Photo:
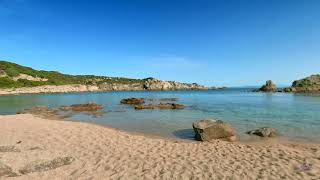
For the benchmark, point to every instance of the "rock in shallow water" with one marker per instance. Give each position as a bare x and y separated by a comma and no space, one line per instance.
264,132
268,87
133,101
160,106
209,129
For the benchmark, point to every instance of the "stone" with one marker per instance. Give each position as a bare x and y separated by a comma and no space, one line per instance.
268,87
168,99
9,149
132,101
83,107
209,129
264,132
6,171
39,166
160,106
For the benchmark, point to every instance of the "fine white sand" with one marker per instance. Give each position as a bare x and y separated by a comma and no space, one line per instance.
105,153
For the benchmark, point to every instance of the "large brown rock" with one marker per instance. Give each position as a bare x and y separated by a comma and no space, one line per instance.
133,101
264,132
269,87
209,129
83,107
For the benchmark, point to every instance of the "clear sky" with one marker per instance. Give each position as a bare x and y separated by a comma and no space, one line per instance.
214,42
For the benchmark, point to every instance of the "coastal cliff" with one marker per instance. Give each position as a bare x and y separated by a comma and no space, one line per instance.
309,84
17,79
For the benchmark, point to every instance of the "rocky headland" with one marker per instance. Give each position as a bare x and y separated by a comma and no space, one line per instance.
17,79
309,84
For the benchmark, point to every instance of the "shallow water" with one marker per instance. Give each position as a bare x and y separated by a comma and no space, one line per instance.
296,116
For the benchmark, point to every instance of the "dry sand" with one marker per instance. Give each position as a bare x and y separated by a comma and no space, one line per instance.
75,150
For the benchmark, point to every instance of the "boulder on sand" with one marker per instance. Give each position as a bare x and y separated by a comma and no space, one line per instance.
209,129
134,101
264,132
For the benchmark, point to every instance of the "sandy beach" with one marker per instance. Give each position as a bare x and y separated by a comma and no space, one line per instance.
35,148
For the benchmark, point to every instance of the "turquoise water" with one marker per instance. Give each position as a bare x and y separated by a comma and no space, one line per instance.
296,116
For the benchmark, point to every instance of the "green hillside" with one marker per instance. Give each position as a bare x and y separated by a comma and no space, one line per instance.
9,71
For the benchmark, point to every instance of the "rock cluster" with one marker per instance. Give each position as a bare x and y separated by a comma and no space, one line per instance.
209,129
82,107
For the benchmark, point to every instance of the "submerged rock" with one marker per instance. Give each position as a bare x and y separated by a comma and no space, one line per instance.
264,132
132,101
42,111
268,87
168,99
83,107
209,129
160,106
64,111
46,165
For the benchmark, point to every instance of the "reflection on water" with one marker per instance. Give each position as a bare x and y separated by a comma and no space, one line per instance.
294,115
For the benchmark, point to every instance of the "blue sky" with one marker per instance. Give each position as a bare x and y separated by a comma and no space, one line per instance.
216,42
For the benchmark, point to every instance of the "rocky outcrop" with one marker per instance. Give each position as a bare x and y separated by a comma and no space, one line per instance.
264,132
156,84
309,84
209,129
132,101
160,106
28,77
146,84
268,87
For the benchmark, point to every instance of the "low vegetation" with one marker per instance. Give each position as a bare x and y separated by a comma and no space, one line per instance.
10,70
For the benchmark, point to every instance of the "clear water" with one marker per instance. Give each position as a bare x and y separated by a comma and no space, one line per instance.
296,116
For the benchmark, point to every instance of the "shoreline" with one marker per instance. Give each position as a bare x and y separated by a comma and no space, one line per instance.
98,152
75,88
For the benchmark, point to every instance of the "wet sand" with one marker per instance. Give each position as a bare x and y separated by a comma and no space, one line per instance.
37,148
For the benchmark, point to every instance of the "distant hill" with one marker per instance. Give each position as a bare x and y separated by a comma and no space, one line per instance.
309,84
17,79
14,76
